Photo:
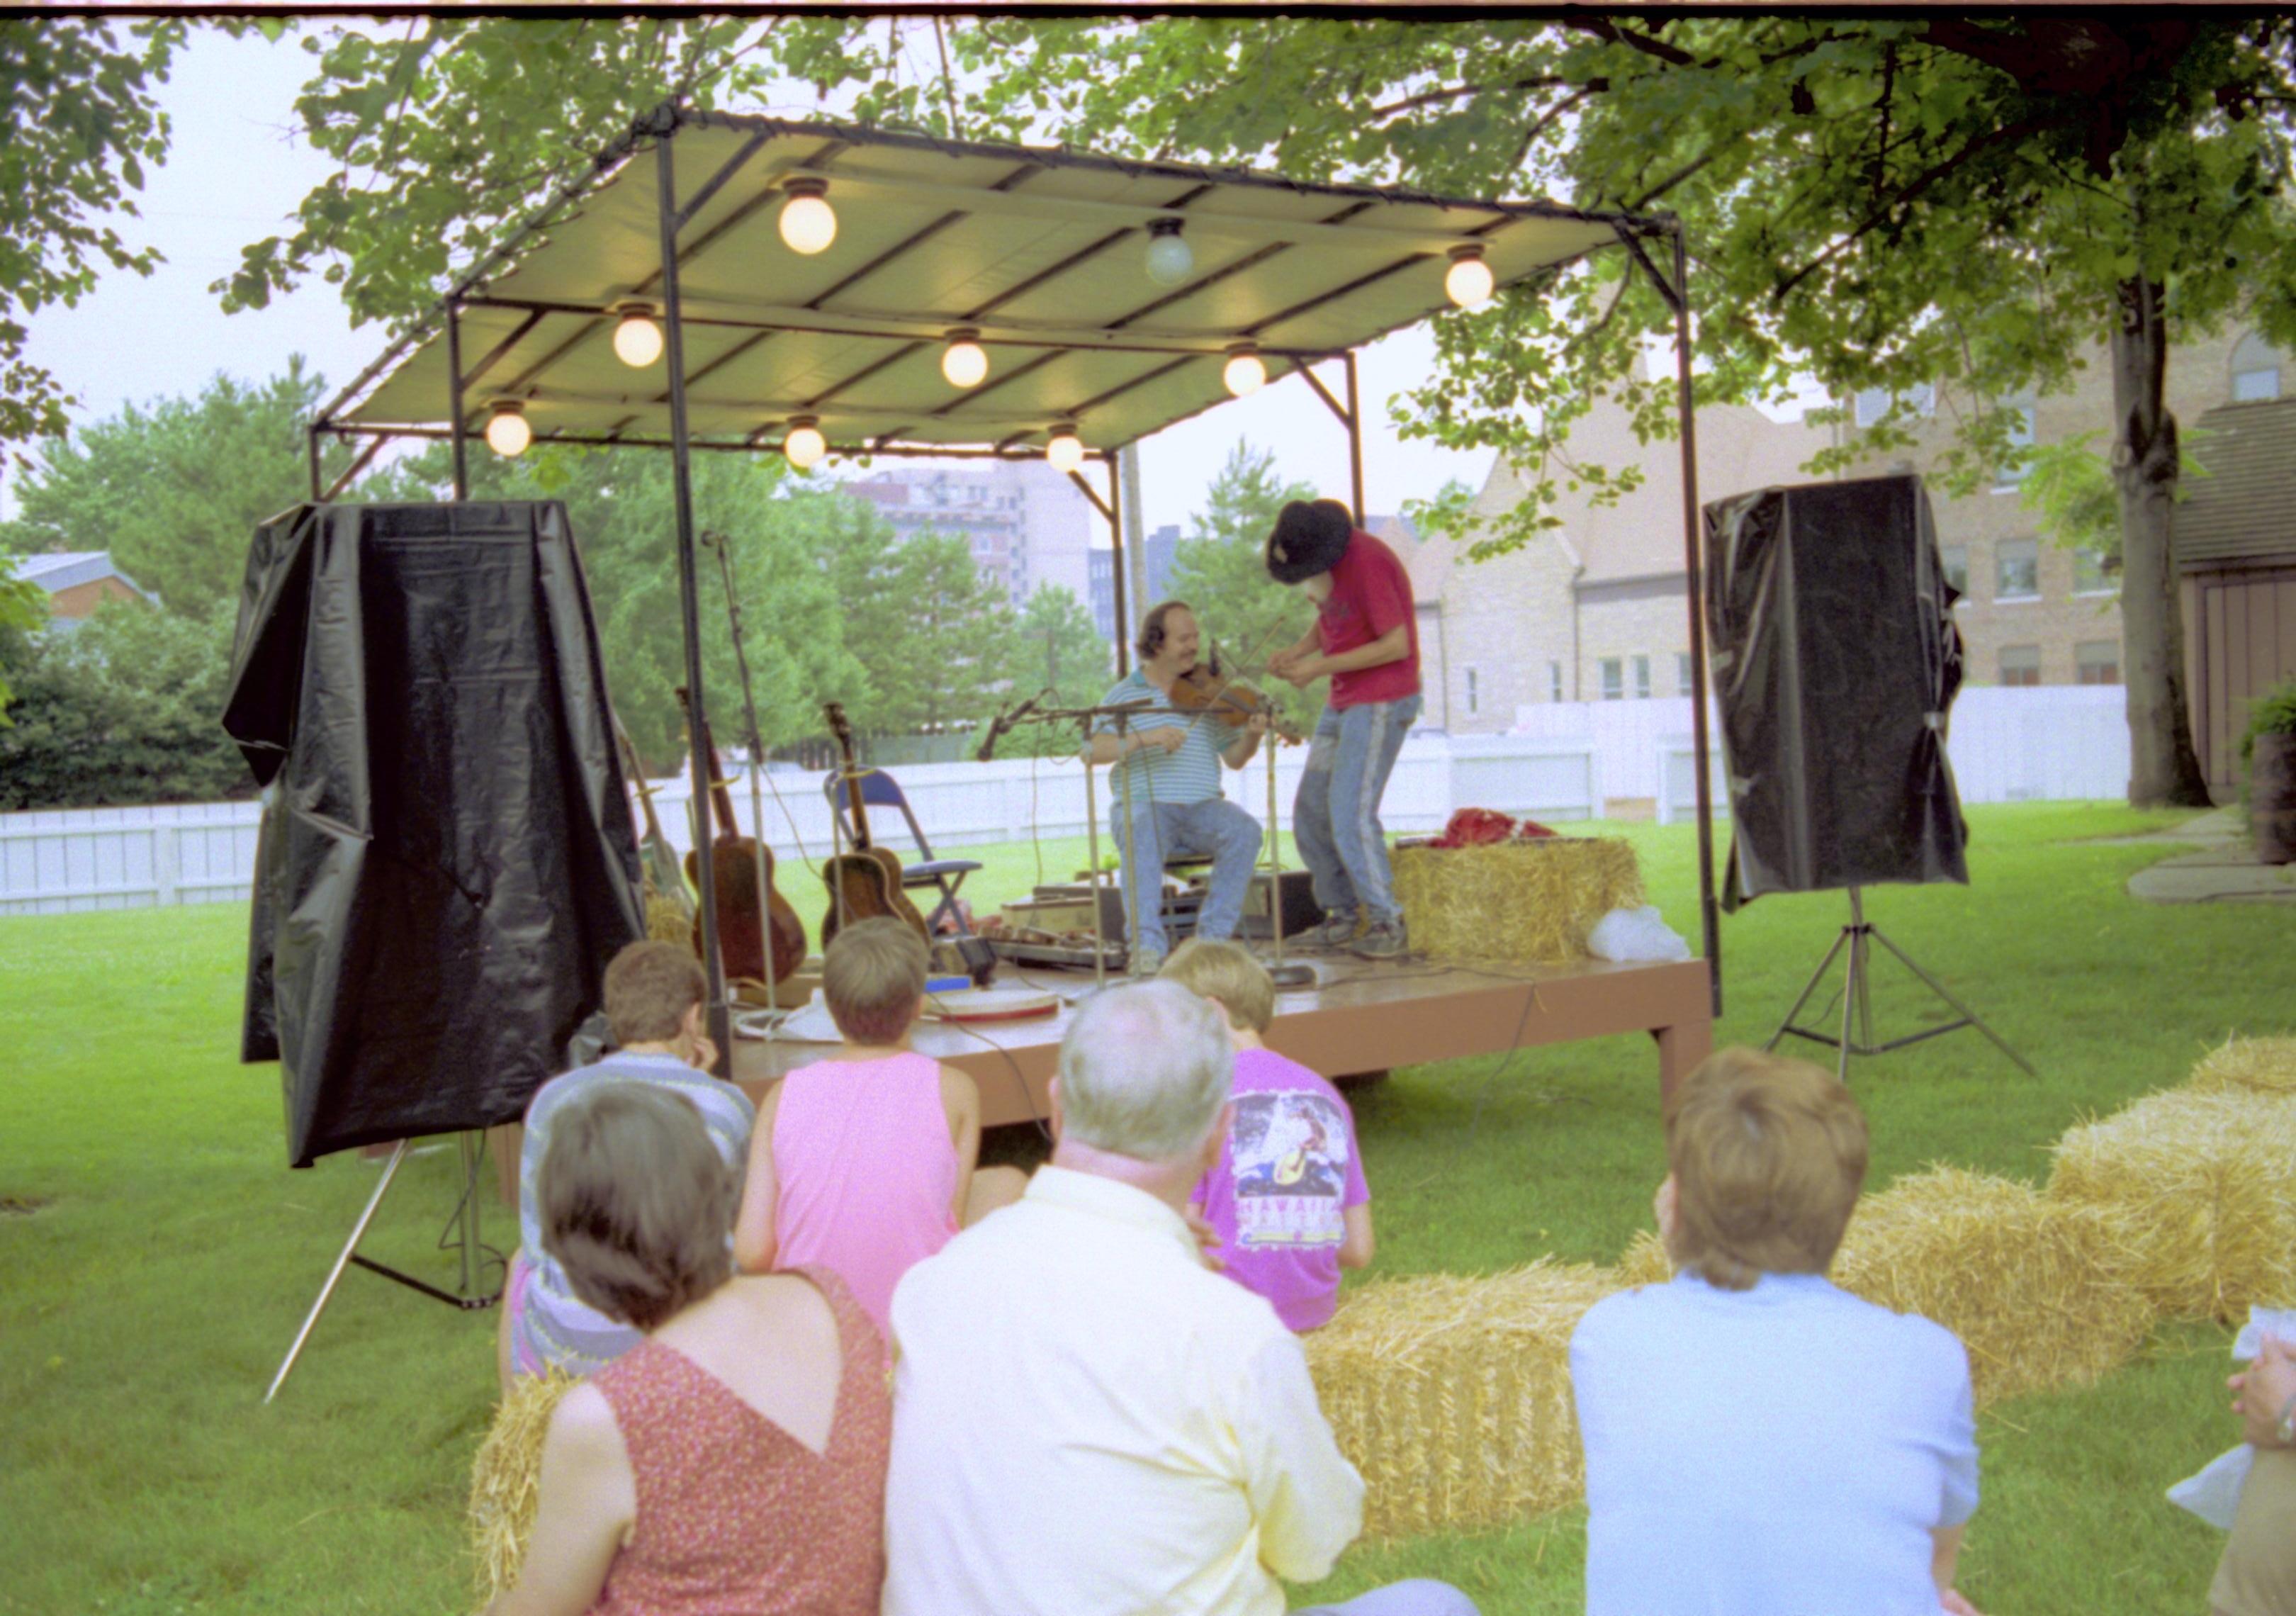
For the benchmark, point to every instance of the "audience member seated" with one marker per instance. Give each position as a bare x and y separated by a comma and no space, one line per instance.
863,1163
1087,1418
2257,1576
655,994
1287,1197
1759,1441
753,1419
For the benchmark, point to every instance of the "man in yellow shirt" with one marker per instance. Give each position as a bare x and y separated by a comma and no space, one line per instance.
1087,1418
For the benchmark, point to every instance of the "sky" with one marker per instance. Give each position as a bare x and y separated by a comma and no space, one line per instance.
238,166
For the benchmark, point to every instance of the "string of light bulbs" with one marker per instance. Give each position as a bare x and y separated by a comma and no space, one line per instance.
808,224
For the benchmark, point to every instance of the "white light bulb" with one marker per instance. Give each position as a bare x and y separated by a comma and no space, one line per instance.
964,362
808,223
1065,451
637,339
1171,259
1245,374
507,433
1469,284
805,445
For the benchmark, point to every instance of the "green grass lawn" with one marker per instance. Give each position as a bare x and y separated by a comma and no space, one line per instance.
146,1301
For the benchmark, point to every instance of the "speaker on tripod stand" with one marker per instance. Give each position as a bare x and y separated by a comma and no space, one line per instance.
1835,662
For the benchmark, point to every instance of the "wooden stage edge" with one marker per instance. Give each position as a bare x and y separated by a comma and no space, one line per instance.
1361,1017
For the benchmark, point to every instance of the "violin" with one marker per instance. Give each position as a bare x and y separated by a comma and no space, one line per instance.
1205,689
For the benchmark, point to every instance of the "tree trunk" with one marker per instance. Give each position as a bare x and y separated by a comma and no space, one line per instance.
2163,769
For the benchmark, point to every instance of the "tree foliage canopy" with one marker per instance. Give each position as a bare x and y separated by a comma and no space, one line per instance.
1220,572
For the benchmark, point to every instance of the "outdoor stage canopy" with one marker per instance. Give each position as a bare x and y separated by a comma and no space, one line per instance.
1041,259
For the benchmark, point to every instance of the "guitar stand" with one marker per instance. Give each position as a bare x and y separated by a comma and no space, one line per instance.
1857,999
463,1222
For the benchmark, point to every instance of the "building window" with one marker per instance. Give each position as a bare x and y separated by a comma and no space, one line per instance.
2021,664
2090,578
2255,371
1874,403
1955,560
1555,681
1642,678
2096,663
1614,679
2017,569
1474,693
2012,470
1682,673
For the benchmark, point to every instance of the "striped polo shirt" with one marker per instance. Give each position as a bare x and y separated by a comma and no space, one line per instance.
1192,774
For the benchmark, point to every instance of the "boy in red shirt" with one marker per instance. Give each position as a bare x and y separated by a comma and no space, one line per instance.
1366,639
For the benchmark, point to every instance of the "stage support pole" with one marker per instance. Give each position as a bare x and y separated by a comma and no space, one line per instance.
689,592
335,1273
454,413
1354,437
1116,540
311,450
1694,584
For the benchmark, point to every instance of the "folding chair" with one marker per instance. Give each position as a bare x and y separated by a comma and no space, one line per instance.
880,789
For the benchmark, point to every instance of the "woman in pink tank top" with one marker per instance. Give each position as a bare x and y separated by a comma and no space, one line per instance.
735,1460
863,1163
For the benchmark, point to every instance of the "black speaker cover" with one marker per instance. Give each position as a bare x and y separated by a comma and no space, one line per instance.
1835,661
446,859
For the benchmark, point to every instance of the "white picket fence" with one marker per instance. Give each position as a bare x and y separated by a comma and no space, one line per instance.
1566,761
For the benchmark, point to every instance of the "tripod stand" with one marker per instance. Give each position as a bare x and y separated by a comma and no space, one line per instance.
464,1223
1858,1004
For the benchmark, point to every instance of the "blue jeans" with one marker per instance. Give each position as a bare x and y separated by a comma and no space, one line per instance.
1335,818
1167,830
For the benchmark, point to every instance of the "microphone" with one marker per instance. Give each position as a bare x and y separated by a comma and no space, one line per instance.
1002,723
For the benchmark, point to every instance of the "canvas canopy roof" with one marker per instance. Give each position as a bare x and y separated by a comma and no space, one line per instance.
1042,250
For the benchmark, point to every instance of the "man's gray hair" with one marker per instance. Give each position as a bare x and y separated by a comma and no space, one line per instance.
1144,1071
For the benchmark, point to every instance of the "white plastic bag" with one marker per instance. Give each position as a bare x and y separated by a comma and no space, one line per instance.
2213,1493
1635,934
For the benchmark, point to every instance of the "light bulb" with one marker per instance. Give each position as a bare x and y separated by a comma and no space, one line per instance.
1065,450
805,445
808,223
1170,258
507,433
1246,373
964,362
637,339
1468,282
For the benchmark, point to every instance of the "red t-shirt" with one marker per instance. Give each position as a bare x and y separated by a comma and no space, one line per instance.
1371,596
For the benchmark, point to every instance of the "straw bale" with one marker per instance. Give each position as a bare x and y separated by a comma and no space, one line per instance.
504,1477
2207,1183
666,922
1533,902
2039,1290
1645,1261
2264,1066
1452,1395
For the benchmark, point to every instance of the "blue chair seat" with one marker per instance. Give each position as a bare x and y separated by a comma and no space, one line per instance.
880,789
931,870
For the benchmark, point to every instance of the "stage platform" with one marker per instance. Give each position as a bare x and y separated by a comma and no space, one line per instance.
1361,1018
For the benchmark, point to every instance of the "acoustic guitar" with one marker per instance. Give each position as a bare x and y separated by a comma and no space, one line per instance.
865,881
742,869
657,860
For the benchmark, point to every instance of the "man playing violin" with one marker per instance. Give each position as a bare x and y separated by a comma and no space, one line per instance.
1168,754
1366,638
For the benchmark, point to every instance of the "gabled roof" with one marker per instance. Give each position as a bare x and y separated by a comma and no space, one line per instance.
62,570
1042,250
2245,508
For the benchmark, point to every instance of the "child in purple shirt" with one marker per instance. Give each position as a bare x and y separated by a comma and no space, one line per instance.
1287,1198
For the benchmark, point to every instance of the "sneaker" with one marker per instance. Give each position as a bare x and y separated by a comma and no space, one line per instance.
1337,932
1146,962
1383,940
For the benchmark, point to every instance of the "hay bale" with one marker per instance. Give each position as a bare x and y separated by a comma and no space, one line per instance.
1644,1262
2264,1066
2038,1290
2207,1183
1532,902
504,1477
667,923
1452,1395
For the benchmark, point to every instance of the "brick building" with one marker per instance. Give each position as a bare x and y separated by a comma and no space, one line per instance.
1027,524
1594,611
77,581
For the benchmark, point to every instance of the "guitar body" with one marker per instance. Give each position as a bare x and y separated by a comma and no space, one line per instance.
743,933
864,883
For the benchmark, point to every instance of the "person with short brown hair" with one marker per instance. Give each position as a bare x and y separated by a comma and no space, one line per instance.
1287,1197
864,1163
1757,1439
753,1417
654,993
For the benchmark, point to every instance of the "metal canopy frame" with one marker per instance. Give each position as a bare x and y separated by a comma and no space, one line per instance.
951,428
